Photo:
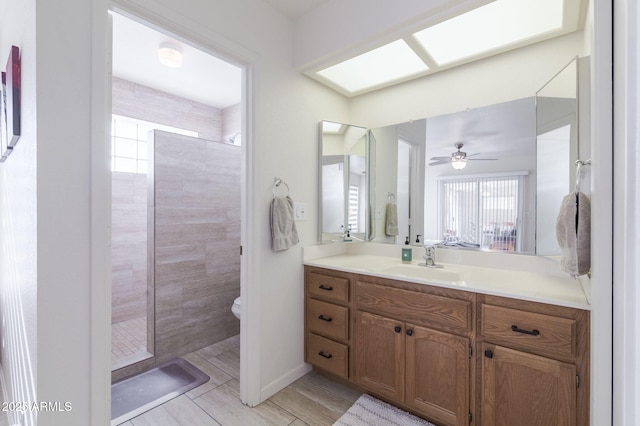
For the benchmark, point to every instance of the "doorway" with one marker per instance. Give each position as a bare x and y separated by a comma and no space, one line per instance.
177,153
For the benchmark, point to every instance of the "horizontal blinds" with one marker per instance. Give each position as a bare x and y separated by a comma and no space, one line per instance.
481,210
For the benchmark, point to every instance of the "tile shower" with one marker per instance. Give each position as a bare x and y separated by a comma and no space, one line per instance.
190,203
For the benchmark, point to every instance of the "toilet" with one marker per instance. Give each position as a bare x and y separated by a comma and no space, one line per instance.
236,307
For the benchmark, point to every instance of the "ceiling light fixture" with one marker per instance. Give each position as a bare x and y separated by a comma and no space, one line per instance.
170,55
458,163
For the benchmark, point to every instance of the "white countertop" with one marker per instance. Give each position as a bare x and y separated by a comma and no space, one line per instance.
530,279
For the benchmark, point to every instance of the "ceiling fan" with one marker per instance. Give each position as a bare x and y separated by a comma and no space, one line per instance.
458,159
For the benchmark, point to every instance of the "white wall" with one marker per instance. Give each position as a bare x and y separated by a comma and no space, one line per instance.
18,220
45,230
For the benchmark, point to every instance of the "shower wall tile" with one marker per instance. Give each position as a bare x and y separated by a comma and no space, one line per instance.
197,239
196,183
128,246
143,103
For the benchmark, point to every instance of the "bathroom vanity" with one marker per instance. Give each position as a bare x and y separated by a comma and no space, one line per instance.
448,345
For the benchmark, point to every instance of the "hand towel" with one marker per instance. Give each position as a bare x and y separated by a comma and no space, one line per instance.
284,234
391,220
573,232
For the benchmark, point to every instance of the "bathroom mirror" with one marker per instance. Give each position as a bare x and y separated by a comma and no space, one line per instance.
345,169
515,164
515,161
489,201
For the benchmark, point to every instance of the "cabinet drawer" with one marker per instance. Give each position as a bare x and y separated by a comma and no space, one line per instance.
413,306
328,287
327,319
539,333
328,355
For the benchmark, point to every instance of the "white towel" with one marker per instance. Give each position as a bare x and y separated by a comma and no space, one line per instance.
573,231
391,220
284,234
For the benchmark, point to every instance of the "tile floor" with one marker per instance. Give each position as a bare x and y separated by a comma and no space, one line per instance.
313,400
128,340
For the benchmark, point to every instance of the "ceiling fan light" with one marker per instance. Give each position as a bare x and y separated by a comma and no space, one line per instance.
458,163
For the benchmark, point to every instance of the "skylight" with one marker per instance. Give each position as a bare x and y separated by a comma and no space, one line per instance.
503,23
496,27
391,62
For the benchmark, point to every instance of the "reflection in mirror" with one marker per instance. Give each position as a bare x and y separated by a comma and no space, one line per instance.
482,204
344,183
490,178
557,140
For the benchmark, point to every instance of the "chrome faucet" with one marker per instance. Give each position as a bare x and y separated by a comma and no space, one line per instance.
430,257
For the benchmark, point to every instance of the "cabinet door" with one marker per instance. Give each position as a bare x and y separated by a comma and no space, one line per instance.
523,389
437,376
379,352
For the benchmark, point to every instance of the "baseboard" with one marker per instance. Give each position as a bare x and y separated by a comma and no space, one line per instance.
283,381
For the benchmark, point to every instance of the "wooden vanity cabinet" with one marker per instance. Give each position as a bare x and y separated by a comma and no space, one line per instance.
533,363
412,347
453,357
327,320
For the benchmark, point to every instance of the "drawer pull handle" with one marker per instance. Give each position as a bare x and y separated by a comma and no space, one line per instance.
323,318
322,354
323,287
397,329
488,353
409,332
519,330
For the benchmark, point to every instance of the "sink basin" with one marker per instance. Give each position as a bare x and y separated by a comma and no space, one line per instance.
420,272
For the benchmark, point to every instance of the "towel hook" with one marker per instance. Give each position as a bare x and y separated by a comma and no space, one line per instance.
391,197
276,183
579,165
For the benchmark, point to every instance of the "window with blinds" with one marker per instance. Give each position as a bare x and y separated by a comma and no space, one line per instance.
482,211
354,202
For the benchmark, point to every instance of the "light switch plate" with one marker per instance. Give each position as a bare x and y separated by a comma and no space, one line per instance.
300,211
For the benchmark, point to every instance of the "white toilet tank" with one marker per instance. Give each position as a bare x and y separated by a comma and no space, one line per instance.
236,307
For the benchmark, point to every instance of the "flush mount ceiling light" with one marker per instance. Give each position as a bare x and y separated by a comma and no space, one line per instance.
170,55
490,28
392,62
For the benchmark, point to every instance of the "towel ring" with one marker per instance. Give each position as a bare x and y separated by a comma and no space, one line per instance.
579,165
276,183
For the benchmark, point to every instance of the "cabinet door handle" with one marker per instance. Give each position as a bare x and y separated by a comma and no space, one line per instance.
397,329
323,318
409,332
529,332
323,287
322,354
488,353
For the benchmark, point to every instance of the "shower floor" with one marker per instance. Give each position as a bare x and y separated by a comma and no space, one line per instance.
128,342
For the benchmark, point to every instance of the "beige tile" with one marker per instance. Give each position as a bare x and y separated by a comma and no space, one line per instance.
179,411
298,422
224,405
220,347
216,376
343,390
228,362
310,403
